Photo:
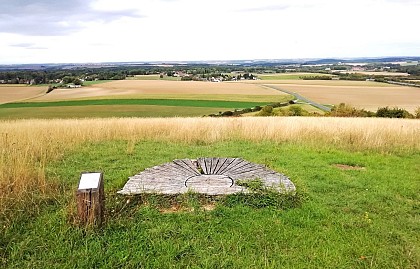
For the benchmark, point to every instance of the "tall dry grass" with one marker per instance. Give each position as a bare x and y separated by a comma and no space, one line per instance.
27,145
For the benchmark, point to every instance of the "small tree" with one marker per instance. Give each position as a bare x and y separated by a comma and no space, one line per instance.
50,88
77,81
295,111
266,111
386,112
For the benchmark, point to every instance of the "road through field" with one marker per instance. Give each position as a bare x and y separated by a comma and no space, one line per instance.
300,97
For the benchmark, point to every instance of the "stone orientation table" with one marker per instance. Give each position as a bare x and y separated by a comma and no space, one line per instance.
210,176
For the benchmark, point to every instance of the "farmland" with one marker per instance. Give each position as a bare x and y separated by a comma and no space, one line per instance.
358,218
360,94
208,97
143,88
14,93
138,98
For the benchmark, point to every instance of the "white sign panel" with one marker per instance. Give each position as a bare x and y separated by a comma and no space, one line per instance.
89,181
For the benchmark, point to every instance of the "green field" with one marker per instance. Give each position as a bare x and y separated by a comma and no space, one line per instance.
159,102
120,108
366,218
106,111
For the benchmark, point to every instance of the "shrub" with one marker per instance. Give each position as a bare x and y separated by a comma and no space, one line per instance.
386,112
257,108
227,113
51,88
186,78
343,110
266,111
274,105
295,111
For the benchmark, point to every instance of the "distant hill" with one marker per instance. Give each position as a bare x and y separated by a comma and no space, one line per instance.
263,62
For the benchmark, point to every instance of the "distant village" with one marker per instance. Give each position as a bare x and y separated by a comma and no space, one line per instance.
235,76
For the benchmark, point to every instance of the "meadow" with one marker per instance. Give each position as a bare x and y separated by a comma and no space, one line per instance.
357,204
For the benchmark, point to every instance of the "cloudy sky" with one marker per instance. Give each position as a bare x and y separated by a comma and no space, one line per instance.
53,31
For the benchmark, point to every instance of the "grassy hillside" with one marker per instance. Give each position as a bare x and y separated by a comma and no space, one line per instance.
356,207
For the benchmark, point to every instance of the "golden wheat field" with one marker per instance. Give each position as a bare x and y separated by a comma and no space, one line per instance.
144,88
27,146
13,93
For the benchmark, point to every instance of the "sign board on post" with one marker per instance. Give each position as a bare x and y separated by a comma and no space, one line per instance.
90,198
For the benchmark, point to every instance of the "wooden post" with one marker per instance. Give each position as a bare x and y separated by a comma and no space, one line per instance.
90,198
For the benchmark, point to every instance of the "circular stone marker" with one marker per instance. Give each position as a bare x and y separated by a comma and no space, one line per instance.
211,176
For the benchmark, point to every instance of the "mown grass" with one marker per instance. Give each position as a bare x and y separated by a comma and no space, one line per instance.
349,219
158,102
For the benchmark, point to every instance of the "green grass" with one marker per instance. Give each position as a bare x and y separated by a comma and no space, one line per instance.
106,111
350,219
158,102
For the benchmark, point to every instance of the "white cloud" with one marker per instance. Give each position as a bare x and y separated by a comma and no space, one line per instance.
141,30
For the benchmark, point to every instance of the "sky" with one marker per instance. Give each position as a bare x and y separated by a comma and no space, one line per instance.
88,31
